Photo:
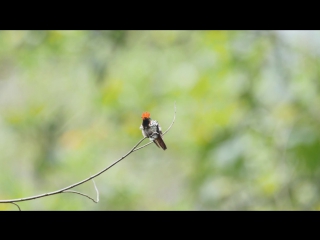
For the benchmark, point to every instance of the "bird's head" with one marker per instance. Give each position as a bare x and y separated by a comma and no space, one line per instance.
145,115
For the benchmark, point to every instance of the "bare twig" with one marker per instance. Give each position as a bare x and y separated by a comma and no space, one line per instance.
82,194
66,189
96,190
174,118
73,185
85,195
16,205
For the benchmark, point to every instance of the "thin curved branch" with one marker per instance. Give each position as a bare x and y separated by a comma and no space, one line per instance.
16,205
174,118
95,187
82,194
66,189
85,195
73,185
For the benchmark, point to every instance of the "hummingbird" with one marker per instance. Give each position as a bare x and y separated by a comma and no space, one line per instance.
151,129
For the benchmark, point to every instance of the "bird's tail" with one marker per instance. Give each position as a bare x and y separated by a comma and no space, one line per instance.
160,143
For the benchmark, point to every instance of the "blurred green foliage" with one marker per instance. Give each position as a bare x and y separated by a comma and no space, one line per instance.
246,135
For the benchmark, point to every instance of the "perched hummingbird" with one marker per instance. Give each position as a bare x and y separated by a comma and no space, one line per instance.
151,129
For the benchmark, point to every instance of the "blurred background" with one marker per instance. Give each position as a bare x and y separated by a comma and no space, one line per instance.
246,135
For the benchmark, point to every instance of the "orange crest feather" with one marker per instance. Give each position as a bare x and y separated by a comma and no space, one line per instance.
145,115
